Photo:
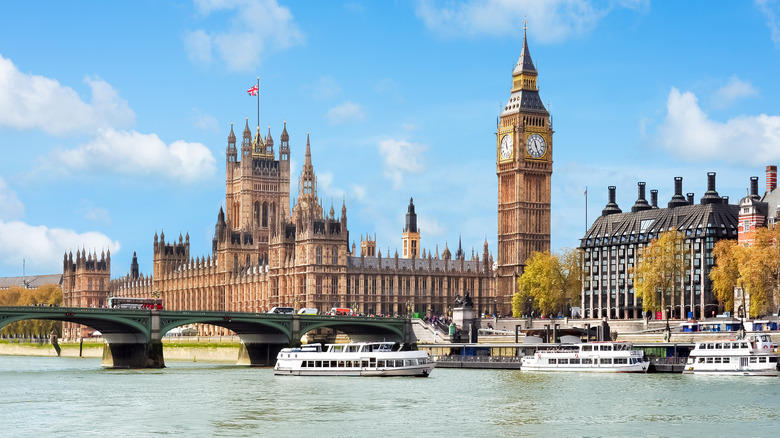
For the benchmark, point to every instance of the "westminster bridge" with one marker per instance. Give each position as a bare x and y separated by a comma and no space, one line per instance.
133,338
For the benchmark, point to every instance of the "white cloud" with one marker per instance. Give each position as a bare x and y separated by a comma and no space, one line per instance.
205,122
358,192
344,113
42,248
549,21
10,206
767,7
36,102
133,153
733,90
326,189
257,27
689,133
401,156
325,88
95,214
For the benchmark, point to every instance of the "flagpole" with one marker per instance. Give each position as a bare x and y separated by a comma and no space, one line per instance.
258,102
586,209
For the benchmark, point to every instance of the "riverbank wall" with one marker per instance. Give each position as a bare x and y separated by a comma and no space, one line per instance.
189,350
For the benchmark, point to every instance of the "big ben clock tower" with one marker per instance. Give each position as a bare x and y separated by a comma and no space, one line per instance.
524,149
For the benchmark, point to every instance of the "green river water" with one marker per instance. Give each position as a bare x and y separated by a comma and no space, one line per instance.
72,397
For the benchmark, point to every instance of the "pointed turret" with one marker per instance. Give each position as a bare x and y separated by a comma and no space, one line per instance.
269,144
525,64
525,93
246,144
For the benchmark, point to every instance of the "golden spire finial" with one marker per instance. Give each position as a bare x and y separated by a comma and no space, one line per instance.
525,22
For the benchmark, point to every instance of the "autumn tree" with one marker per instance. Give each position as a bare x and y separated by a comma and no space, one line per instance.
758,267
549,283
49,295
725,274
658,272
755,268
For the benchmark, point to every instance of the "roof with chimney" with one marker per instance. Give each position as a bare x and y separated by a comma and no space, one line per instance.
712,217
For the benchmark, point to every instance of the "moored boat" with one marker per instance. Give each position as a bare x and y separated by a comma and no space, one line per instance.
592,357
379,359
756,355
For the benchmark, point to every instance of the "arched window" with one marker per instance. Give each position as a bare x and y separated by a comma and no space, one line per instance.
265,214
334,253
319,255
256,216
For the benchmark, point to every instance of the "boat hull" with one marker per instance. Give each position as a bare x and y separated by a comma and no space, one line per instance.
634,368
411,371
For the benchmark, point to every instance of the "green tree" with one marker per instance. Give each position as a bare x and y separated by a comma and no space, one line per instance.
550,282
658,272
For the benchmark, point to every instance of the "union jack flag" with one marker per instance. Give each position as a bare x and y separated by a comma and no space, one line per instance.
253,91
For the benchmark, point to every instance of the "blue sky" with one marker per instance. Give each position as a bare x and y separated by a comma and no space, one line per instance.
114,116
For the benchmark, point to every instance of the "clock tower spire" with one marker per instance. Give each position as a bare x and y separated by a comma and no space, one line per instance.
524,147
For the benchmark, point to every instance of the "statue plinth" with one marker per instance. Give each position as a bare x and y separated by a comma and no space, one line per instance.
463,317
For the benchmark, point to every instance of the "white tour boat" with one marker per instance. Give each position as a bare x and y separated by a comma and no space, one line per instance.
353,359
756,355
592,357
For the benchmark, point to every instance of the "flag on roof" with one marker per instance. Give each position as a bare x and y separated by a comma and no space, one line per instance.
253,91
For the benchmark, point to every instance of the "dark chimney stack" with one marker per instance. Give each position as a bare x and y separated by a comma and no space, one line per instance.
754,188
611,207
678,200
641,202
690,198
711,196
654,198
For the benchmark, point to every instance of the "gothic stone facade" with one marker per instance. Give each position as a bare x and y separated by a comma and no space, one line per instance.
264,255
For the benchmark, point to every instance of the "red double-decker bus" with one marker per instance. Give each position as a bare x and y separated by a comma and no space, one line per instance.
135,303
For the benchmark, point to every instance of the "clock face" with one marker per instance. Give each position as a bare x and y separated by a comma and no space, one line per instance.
506,146
536,146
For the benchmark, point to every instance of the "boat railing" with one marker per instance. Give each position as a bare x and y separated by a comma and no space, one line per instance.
479,359
669,360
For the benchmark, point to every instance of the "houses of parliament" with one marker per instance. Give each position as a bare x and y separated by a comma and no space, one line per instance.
266,254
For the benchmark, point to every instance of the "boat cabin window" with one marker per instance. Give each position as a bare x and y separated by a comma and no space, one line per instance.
762,360
606,348
587,348
552,361
607,361
726,360
711,346
353,348
709,360
727,345
563,361
718,345
574,361
772,359
587,361
701,360
716,360
743,345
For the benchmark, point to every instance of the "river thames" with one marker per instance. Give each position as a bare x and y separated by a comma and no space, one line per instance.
49,396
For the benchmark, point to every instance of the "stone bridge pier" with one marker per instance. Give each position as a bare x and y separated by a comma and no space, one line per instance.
135,350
